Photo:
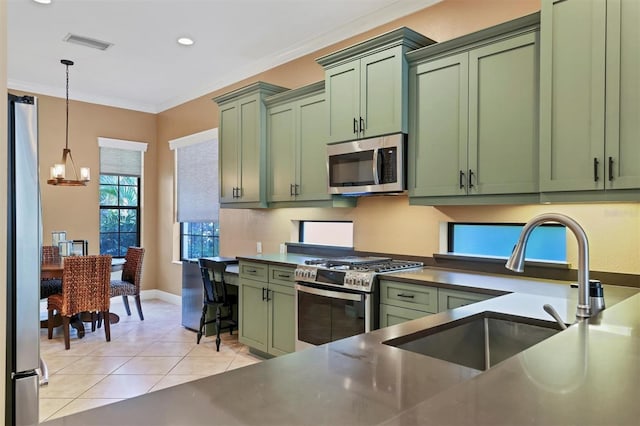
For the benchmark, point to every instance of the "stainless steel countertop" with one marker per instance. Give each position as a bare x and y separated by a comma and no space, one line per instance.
588,374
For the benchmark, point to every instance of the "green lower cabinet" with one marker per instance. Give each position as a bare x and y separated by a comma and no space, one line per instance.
401,301
392,315
253,314
281,329
267,317
450,299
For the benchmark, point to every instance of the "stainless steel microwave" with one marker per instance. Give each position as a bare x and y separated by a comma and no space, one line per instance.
368,166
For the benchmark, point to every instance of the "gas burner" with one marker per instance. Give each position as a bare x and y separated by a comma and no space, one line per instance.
352,272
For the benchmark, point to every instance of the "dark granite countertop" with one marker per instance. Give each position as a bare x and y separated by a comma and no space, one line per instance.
588,374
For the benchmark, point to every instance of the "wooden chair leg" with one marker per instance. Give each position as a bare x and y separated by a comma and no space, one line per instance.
94,319
107,325
218,325
125,299
65,329
139,306
202,319
50,324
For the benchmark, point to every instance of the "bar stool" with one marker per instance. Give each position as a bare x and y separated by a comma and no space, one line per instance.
216,296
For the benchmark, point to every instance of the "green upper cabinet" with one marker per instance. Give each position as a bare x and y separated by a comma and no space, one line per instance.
366,86
296,140
242,145
590,97
473,117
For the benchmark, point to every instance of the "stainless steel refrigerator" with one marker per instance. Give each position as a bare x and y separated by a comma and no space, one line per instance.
23,263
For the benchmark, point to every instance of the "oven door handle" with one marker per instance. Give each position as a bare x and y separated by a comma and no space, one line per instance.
328,293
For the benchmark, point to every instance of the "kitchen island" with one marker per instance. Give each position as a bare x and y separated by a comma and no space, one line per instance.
588,374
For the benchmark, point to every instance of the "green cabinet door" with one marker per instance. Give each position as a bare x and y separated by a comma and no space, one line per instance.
242,140
451,299
253,314
503,117
572,95
439,125
343,101
281,319
383,88
311,167
228,152
392,315
251,149
622,146
281,136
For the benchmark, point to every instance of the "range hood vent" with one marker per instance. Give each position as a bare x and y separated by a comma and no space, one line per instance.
88,42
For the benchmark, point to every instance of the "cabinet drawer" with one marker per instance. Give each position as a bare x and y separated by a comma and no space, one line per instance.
410,296
450,299
281,275
254,271
392,315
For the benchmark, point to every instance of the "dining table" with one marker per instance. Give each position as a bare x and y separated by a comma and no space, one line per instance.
54,270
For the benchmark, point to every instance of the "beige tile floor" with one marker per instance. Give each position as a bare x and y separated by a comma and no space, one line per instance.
143,356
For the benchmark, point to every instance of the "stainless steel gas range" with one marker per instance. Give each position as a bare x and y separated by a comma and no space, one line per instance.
338,297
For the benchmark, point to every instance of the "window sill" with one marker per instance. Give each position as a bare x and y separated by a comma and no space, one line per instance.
499,260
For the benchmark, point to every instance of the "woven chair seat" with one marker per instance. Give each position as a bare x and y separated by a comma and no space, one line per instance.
122,288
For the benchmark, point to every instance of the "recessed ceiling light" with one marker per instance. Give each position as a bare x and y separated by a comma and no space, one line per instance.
185,41
43,1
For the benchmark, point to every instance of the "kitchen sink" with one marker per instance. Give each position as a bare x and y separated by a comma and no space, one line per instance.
479,341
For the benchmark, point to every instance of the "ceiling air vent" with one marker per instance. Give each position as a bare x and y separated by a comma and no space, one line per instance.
86,41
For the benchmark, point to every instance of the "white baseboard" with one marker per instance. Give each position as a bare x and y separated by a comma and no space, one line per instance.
161,295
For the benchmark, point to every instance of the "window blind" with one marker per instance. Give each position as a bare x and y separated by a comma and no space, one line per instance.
197,182
119,157
114,161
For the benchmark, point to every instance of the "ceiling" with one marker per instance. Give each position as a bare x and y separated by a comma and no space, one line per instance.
146,70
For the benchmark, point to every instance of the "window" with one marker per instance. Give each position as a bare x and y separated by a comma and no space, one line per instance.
326,233
120,192
119,214
197,203
199,239
547,242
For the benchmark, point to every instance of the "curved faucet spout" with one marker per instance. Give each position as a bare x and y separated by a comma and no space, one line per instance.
516,260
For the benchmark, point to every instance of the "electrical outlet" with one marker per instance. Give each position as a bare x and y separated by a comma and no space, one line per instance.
259,247
283,248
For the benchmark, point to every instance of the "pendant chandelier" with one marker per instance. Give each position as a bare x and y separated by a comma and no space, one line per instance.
58,170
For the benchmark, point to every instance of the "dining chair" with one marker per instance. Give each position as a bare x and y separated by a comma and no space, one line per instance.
85,288
129,284
216,296
49,286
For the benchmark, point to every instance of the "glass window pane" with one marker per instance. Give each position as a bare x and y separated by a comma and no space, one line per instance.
109,243
108,195
108,179
128,196
109,220
128,220
128,180
327,233
547,242
127,240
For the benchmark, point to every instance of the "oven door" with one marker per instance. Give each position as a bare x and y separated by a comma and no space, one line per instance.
324,314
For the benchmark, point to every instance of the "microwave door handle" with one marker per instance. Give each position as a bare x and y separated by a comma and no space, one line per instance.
376,167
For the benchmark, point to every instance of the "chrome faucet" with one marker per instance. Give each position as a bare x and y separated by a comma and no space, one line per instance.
516,260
